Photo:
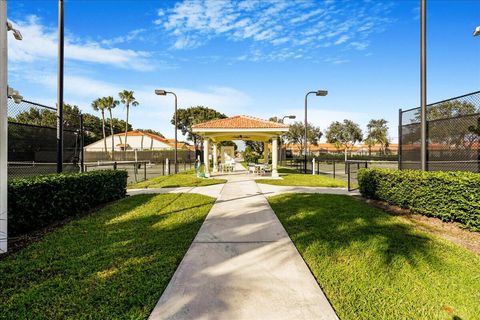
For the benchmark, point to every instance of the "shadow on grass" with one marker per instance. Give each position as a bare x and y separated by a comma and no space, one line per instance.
112,264
338,224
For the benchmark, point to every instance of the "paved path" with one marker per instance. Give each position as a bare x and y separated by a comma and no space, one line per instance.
242,265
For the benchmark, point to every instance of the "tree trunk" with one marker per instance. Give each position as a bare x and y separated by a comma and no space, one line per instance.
103,129
345,156
111,131
369,151
126,132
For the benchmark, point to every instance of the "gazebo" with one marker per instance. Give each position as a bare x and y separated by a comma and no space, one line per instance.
240,128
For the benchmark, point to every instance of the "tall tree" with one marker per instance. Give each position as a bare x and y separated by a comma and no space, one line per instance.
127,98
346,133
99,105
194,115
377,134
296,134
110,103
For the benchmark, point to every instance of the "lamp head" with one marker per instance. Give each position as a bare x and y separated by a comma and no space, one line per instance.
12,93
292,117
160,92
321,93
17,34
477,31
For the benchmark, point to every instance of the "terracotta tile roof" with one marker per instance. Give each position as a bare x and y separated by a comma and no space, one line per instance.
239,122
136,133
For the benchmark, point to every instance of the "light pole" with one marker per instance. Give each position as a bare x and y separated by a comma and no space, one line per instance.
423,84
5,91
160,92
60,88
280,140
318,93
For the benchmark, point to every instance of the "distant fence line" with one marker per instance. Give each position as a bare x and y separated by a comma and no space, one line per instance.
156,156
453,135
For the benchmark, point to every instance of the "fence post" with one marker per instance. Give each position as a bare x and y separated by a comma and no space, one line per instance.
115,165
144,171
347,168
333,169
399,139
82,143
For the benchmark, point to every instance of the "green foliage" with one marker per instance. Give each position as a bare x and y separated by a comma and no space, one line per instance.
194,115
158,133
345,133
373,265
255,146
296,134
113,264
39,201
250,155
377,134
450,196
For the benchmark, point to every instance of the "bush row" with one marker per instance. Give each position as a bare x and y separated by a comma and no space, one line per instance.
450,196
38,201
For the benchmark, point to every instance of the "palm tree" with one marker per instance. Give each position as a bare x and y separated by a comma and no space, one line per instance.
127,98
98,105
111,103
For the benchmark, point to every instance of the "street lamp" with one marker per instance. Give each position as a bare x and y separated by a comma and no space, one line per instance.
5,91
476,32
318,93
160,92
283,121
423,84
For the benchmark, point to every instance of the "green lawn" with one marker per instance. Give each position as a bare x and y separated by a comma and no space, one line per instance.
112,264
372,265
184,179
291,178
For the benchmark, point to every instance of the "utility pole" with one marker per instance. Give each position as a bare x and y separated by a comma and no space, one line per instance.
60,88
423,84
3,126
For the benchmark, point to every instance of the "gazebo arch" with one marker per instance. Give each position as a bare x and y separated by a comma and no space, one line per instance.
240,128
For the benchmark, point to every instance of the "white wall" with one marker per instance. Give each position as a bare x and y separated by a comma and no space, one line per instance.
135,142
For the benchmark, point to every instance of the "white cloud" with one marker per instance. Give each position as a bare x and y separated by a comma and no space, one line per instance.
275,24
40,43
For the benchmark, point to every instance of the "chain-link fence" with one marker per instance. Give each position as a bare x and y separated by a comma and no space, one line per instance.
32,140
453,135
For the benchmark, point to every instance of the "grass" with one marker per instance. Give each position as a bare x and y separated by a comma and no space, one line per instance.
183,179
112,264
372,265
292,178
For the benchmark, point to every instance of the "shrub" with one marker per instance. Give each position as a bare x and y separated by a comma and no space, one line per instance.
37,202
450,196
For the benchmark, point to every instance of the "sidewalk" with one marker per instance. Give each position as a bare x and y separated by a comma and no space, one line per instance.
242,265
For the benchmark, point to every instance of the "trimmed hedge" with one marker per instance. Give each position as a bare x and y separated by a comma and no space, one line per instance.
450,196
36,202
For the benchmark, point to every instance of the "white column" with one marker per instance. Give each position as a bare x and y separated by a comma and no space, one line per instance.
215,169
274,157
313,166
3,127
206,150
265,152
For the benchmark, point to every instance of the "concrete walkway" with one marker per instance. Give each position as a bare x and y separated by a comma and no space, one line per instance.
242,265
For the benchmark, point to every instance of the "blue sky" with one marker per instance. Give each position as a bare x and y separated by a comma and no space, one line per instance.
256,58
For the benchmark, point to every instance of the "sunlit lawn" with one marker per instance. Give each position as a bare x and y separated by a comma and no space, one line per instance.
112,264
183,179
292,178
372,265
